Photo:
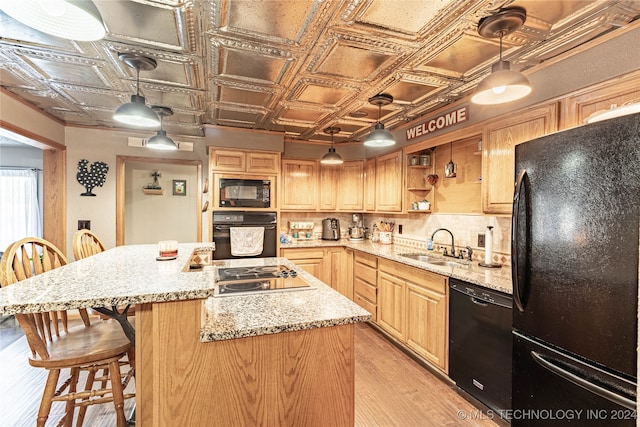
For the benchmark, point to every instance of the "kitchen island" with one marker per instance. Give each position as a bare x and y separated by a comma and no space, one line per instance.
283,358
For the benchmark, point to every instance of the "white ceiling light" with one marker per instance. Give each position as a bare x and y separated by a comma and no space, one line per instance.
332,158
503,84
380,137
69,19
161,141
136,112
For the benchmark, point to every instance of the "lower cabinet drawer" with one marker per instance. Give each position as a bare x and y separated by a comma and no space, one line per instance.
365,290
370,307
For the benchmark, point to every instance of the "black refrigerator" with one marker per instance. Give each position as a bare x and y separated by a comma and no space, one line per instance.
574,245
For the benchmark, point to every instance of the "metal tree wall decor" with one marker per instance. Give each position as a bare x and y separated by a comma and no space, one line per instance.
94,176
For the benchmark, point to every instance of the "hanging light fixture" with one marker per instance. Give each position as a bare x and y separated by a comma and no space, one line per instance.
503,84
380,137
161,141
450,168
136,112
69,19
332,158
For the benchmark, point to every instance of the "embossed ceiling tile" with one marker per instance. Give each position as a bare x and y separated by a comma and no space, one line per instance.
90,96
409,92
355,62
302,114
466,53
172,72
295,131
349,128
283,20
552,11
251,66
65,68
317,92
151,24
234,95
14,77
170,97
11,29
233,116
406,16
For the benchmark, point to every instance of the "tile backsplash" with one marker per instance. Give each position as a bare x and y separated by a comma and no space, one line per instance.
416,231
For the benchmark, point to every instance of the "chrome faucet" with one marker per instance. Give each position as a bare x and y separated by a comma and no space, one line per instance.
453,246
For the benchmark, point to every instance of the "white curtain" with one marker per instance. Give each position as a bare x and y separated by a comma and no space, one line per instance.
19,210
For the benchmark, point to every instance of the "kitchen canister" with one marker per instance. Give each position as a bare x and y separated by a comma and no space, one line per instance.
425,160
386,237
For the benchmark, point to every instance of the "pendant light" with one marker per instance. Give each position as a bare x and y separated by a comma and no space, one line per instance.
450,168
68,19
161,141
503,84
332,158
136,112
380,137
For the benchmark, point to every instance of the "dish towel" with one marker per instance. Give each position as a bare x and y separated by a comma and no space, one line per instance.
246,241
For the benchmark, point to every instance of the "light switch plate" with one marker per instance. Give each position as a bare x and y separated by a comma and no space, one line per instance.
481,240
84,224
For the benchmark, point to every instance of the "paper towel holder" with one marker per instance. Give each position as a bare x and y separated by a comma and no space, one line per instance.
488,242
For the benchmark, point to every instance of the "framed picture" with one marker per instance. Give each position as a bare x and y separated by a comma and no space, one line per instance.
179,187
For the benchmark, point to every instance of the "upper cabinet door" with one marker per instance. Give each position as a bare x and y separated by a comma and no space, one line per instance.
227,160
351,186
498,153
389,182
328,187
370,185
299,184
263,163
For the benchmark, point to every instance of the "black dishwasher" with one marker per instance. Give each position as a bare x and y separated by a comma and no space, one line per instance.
480,343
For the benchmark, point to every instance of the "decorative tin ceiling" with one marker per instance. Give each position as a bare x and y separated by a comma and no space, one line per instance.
292,66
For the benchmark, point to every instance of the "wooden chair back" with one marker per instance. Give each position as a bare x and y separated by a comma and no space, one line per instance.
26,258
85,244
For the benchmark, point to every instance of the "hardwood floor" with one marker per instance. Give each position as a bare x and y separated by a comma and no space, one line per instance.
391,389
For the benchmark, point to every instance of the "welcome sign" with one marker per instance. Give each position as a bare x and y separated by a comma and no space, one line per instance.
440,122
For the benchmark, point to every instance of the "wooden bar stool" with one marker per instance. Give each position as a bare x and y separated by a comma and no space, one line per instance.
57,347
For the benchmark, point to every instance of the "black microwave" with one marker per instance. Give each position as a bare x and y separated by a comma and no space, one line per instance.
245,193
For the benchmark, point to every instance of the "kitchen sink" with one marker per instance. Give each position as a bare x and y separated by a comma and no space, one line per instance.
432,260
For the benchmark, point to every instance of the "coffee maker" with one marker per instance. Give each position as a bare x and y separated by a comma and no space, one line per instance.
356,231
330,229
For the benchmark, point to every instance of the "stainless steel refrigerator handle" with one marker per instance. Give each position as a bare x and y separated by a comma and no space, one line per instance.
514,242
585,384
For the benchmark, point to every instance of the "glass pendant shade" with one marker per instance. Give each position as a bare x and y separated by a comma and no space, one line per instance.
69,19
161,142
502,85
137,113
380,137
332,158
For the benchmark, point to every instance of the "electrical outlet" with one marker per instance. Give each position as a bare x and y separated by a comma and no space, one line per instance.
399,228
84,224
481,240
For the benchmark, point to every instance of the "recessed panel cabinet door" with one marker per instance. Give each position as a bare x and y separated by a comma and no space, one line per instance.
389,182
370,185
327,187
427,324
391,301
299,184
351,186
498,154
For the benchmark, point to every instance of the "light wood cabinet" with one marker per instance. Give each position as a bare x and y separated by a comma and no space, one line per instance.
370,185
244,161
311,260
299,185
389,181
328,187
498,153
413,308
350,189
365,282
416,186
391,302
427,331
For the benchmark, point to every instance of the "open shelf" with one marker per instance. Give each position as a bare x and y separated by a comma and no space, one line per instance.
153,192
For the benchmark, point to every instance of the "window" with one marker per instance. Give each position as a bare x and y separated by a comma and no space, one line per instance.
19,210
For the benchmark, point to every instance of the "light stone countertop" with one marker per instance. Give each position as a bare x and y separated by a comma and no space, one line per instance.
131,275
493,278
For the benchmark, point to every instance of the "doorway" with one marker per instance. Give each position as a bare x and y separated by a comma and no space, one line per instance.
172,211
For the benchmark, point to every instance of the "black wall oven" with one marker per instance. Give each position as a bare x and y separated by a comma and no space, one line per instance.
224,221
245,193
